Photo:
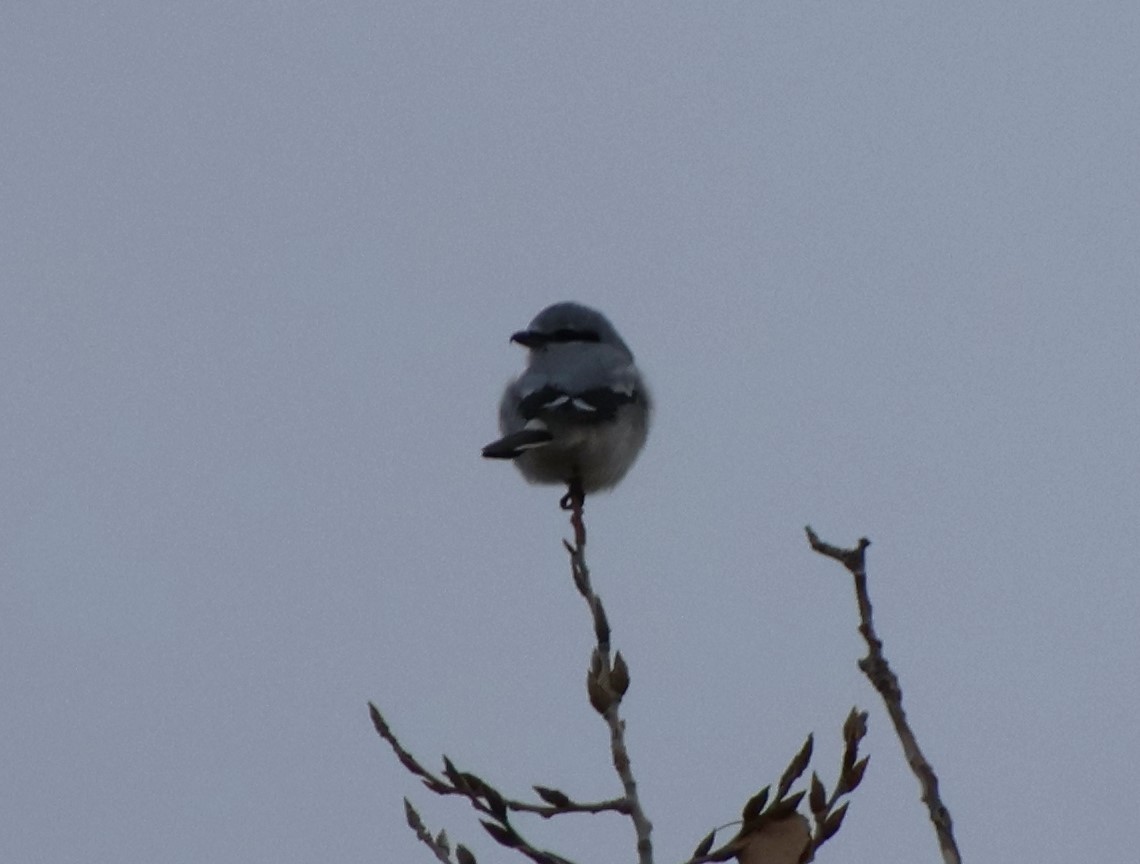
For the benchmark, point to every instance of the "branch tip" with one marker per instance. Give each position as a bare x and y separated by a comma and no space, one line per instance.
886,683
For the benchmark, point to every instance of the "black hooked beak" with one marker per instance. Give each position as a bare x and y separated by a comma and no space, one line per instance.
529,338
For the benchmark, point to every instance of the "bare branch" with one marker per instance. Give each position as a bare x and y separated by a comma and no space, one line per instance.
612,805
884,680
606,680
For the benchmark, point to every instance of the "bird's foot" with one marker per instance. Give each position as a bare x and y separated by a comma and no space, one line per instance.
575,497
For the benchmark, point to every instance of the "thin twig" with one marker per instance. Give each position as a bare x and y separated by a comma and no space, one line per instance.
607,680
884,680
438,845
546,811
440,785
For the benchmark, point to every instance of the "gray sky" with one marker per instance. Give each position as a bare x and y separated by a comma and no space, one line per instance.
259,265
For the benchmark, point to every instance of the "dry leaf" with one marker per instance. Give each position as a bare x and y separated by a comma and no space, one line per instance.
781,842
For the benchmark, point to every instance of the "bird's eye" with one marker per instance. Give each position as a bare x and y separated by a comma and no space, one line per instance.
568,335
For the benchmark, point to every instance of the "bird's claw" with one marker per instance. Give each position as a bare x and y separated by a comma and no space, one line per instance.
575,496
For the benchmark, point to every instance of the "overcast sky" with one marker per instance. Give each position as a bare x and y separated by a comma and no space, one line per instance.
259,263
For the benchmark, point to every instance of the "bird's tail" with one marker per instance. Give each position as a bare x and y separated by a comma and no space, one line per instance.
515,444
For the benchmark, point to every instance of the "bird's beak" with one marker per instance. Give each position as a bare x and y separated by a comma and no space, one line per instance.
527,338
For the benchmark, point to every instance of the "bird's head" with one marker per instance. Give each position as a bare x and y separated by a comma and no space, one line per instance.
568,323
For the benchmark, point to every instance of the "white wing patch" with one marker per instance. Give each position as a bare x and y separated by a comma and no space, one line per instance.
533,445
582,404
625,383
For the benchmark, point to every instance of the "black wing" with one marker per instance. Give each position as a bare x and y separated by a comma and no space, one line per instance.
598,405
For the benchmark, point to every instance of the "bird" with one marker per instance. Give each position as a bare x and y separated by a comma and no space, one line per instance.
579,413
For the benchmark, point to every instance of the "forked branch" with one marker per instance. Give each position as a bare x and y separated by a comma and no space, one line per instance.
884,680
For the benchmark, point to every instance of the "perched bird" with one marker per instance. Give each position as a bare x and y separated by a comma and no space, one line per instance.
579,413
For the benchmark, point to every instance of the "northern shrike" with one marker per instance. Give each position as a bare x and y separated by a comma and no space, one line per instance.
579,413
